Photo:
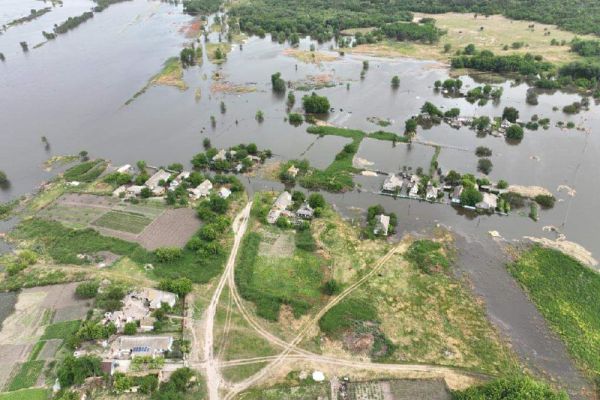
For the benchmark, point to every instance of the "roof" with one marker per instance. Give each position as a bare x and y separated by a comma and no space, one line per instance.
202,189
392,182
224,192
124,169
305,210
283,201
293,171
382,224
221,155
160,175
145,344
156,297
489,202
457,191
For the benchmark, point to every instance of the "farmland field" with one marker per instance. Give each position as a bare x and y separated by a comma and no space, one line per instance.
27,375
123,221
25,394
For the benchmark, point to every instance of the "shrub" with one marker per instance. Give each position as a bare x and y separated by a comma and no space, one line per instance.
179,286
502,184
510,114
168,254
331,287
427,256
345,315
484,165
295,119
87,290
510,388
545,200
278,83
514,132
315,104
3,177
130,328
482,151
395,82
74,371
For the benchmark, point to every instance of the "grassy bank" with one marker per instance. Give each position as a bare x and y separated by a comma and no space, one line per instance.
565,292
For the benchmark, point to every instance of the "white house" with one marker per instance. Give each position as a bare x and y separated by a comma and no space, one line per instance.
392,183
283,202
224,192
382,224
202,190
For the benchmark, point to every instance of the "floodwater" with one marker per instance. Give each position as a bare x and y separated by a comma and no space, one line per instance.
73,91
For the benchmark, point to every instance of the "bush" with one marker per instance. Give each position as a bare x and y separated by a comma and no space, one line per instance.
179,286
331,287
514,132
545,200
316,200
482,151
502,184
3,177
510,388
168,254
130,328
345,315
87,290
295,119
315,104
278,83
484,165
427,256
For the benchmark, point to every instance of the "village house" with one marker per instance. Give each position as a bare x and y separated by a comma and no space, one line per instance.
455,196
156,298
220,156
382,224
120,190
414,187
281,204
293,171
136,346
224,192
125,169
133,191
202,190
392,184
153,183
489,202
137,306
178,179
432,192
305,211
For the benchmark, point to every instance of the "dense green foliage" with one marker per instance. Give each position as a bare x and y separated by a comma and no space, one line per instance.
73,371
72,22
26,376
514,132
403,31
201,6
509,389
85,171
586,48
565,292
487,61
320,19
315,104
427,256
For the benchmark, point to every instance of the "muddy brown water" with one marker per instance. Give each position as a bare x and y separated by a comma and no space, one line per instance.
73,90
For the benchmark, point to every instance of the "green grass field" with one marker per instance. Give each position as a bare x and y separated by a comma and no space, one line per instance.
565,292
71,217
60,330
35,351
27,375
123,221
26,394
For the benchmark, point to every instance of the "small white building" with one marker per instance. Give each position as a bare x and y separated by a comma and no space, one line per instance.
224,192
220,156
144,345
455,197
156,298
305,211
120,190
382,224
153,183
125,169
133,190
293,171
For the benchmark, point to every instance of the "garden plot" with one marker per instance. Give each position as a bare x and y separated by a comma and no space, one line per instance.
50,348
276,244
173,228
123,221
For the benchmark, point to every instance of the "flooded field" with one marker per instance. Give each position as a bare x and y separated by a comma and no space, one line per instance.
59,91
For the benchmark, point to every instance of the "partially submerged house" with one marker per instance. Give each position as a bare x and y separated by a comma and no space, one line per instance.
431,193
489,202
382,225
224,192
283,201
392,184
455,196
293,171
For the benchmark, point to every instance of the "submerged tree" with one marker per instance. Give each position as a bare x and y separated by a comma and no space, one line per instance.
3,178
395,82
260,116
278,83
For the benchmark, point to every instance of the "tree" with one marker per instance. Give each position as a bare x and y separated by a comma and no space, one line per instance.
295,119
316,200
510,114
168,254
470,196
331,287
502,184
3,178
206,143
315,104
484,165
514,132
74,371
291,100
260,116
278,83
482,151
218,204
130,328
470,49
179,286
447,47
410,125
395,82
545,200
453,178
145,193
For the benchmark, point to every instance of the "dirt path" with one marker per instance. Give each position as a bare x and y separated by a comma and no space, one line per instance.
213,376
245,384
516,316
